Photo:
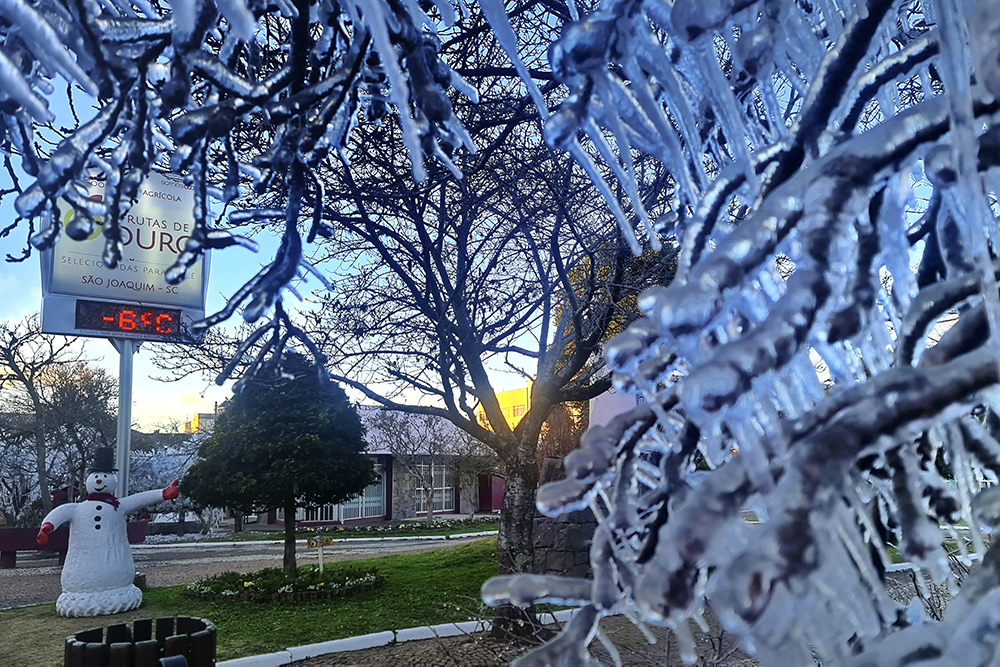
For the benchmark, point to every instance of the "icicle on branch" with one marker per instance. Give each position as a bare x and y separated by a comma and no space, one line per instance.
800,351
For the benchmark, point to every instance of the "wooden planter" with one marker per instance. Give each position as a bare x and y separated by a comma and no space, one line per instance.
144,644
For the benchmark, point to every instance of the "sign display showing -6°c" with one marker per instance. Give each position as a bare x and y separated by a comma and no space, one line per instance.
154,322
82,297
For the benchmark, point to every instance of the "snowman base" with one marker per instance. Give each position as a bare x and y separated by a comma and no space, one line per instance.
99,603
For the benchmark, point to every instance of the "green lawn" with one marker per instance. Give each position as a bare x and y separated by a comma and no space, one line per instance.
419,589
253,536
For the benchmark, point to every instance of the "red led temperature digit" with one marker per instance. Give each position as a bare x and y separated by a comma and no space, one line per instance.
163,321
126,320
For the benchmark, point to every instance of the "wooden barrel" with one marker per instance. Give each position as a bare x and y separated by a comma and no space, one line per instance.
161,642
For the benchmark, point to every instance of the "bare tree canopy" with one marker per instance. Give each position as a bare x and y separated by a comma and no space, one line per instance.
30,366
237,97
511,260
56,408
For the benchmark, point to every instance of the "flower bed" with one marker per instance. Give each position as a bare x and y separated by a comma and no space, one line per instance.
271,585
472,523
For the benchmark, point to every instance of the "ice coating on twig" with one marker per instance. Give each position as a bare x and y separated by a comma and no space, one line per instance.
171,84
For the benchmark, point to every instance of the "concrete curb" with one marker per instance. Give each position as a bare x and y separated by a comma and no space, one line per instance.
400,538
376,639
266,660
342,645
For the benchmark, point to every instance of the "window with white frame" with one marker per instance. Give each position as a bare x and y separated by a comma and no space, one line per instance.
370,504
444,489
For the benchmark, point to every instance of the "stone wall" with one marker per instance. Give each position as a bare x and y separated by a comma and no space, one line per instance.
562,544
403,506
402,493
468,499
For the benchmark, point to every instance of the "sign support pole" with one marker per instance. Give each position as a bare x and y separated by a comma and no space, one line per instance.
126,348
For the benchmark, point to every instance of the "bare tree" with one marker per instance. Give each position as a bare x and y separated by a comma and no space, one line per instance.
517,265
158,456
28,360
18,470
79,415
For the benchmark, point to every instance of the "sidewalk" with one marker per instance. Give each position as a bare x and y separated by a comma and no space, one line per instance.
299,543
470,645
466,643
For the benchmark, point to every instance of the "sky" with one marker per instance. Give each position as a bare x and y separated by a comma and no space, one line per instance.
154,404
158,404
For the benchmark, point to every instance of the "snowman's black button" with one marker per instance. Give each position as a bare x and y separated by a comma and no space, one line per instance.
97,518
97,526
99,507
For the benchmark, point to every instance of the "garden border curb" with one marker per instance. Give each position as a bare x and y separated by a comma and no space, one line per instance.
375,640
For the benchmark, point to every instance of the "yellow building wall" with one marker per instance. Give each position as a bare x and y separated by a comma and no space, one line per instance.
514,403
200,422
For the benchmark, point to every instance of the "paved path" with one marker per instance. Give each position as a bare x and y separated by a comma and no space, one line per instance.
714,648
35,580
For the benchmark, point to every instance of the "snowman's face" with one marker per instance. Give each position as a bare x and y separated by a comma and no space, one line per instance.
102,482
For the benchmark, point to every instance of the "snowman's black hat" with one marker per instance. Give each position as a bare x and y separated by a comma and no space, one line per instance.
104,460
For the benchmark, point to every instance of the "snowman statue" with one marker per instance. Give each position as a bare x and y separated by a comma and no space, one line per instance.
98,575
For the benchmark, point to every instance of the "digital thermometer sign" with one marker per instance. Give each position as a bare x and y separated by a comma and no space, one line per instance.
148,321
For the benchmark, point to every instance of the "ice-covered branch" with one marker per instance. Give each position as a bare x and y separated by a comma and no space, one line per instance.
267,87
788,353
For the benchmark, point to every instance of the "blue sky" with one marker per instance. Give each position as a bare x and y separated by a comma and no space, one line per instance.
157,404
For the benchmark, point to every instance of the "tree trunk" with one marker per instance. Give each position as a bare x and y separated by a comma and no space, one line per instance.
515,545
429,496
43,473
429,504
288,562
237,522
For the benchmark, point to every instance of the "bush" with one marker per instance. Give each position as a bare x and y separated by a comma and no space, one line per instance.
271,585
31,515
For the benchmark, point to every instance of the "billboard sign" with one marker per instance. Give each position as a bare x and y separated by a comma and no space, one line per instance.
154,232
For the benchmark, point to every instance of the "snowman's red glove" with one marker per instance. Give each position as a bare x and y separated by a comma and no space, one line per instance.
43,533
171,491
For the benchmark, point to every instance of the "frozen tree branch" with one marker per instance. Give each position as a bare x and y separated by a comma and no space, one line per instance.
820,128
